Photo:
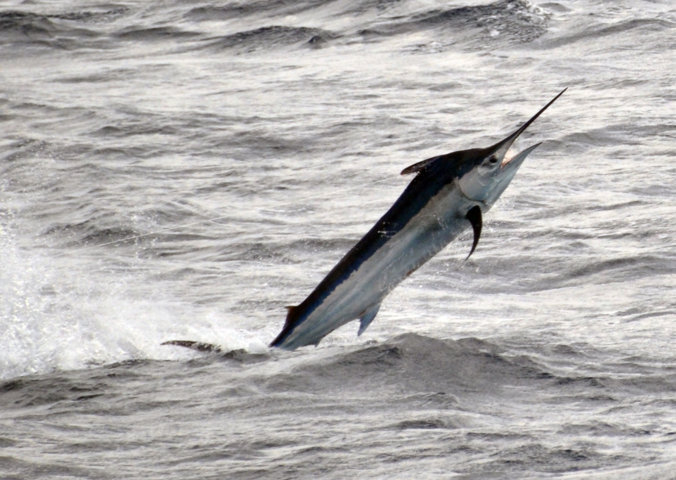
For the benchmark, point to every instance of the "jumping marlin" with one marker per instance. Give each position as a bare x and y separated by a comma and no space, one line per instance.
449,194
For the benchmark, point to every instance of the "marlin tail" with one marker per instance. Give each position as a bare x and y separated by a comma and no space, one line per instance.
449,194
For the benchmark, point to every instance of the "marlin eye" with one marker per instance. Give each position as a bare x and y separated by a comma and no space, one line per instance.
493,160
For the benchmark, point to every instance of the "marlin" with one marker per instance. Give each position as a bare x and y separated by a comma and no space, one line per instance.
448,194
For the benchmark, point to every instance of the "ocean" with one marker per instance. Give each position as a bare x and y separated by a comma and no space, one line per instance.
184,170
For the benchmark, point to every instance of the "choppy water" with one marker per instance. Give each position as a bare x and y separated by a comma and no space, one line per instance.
187,169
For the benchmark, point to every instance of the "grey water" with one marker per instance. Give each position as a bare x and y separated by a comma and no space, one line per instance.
185,170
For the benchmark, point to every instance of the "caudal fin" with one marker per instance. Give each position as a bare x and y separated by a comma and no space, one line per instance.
193,345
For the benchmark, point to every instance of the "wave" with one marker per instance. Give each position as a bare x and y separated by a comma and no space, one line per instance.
502,21
416,363
514,19
268,37
239,9
410,367
623,28
63,31
413,364
154,33
309,23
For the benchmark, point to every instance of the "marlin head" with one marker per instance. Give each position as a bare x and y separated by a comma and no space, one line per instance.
481,174
488,171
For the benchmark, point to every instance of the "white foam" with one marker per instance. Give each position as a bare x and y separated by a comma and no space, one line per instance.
55,314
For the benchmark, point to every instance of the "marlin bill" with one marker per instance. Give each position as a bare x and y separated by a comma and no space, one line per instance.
449,194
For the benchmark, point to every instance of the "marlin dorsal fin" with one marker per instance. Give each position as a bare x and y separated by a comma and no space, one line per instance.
449,161
474,217
416,167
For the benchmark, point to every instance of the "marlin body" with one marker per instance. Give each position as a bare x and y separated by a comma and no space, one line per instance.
449,194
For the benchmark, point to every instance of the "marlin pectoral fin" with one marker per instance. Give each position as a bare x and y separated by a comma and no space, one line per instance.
474,217
368,316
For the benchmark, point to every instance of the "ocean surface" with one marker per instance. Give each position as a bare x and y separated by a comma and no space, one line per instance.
186,169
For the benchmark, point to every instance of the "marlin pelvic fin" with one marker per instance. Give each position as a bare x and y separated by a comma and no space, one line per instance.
474,217
367,317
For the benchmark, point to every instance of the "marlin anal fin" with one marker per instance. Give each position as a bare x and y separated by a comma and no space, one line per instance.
367,317
474,217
